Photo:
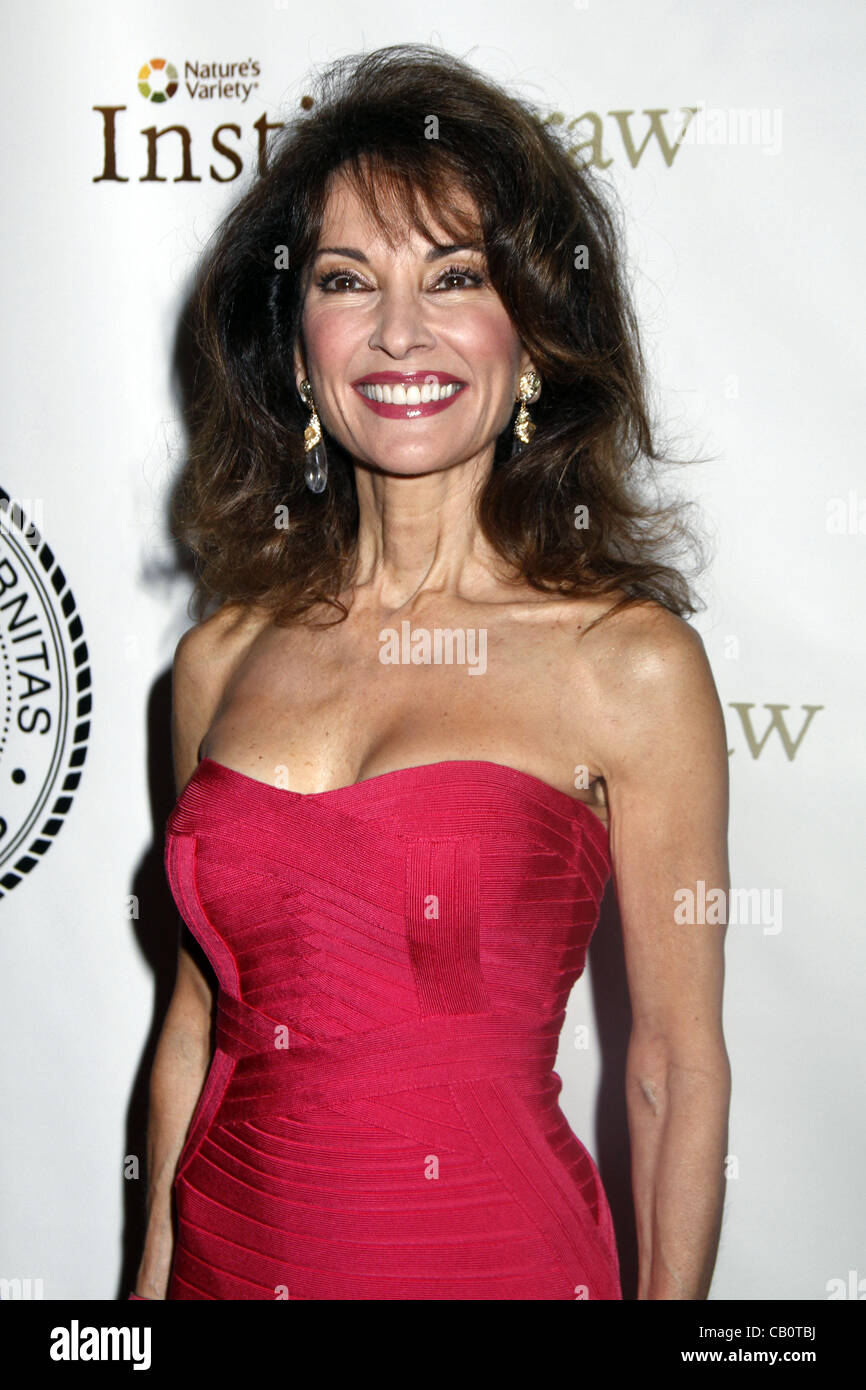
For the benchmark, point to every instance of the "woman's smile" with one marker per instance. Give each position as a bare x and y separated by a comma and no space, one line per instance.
406,396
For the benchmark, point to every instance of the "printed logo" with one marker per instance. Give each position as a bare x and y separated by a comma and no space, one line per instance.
45,697
157,80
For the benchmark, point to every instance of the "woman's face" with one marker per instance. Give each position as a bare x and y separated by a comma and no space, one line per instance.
414,318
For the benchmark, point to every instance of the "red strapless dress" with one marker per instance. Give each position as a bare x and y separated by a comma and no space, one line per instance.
380,1119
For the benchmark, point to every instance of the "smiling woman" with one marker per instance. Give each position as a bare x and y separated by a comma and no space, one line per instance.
429,418
506,234
401,302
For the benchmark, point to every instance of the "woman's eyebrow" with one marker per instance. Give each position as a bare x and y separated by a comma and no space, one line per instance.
438,251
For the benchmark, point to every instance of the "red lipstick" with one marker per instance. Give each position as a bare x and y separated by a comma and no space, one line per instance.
417,406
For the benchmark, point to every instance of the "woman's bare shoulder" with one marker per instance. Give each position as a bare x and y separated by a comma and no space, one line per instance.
641,639
217,638
205,659
652,682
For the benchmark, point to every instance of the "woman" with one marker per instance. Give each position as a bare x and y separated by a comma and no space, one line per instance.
424,414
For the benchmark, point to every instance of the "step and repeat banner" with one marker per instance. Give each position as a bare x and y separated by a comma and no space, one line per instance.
734,142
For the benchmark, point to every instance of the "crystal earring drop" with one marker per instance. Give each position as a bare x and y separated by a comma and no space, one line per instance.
316,469
524,428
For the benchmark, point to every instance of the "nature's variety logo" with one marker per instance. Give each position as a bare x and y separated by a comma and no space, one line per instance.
157,80
45,697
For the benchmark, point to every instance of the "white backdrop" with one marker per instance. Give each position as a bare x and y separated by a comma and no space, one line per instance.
746,246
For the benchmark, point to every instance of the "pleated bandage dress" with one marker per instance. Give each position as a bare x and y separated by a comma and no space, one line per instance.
380,1119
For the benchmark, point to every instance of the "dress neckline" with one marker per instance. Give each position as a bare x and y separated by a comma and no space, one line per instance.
415,774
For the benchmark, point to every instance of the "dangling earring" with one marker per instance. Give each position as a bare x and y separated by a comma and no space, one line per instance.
524,428
316,470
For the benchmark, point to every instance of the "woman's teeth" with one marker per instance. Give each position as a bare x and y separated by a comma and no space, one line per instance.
409,395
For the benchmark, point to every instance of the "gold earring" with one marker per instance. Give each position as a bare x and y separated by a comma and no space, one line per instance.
524,428
316,470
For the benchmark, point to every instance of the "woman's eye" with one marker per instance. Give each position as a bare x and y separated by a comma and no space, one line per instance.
325,280
329,281
461,273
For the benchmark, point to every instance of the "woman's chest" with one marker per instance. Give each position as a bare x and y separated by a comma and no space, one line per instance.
331,707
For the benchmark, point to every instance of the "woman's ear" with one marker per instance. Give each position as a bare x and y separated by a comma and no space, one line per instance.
299,368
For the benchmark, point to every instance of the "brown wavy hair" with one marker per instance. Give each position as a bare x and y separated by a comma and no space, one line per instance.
594,444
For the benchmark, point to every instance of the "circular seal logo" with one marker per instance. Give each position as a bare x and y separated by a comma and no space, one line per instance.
45,696
157,80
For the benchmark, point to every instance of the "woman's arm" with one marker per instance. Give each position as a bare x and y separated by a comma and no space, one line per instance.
665,764
183,1053
180,1066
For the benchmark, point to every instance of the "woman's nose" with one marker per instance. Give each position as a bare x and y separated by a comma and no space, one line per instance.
401,324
